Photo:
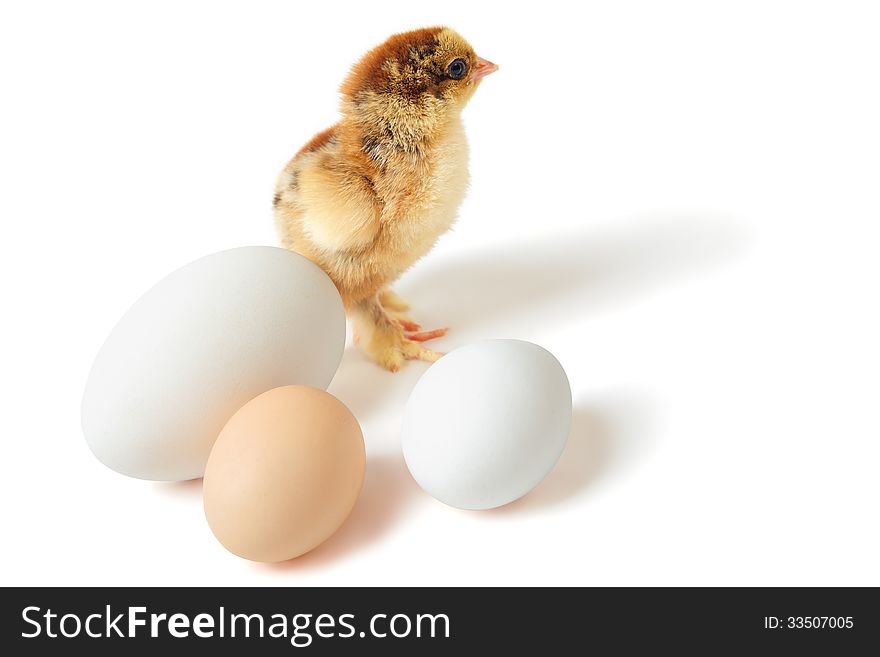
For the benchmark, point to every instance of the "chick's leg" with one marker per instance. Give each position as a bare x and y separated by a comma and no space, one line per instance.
390,301
385,340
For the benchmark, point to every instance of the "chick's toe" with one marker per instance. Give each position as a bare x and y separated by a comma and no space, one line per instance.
424,336
407,323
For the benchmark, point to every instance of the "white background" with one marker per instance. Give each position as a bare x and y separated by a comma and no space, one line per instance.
680,200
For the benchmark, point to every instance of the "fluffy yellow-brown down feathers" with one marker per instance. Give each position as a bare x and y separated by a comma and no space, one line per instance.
368,197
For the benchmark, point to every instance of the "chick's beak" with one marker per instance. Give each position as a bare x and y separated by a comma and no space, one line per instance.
482,68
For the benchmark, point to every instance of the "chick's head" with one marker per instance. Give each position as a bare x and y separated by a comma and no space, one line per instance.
415,77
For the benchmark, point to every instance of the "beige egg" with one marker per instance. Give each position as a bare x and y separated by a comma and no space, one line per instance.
283,474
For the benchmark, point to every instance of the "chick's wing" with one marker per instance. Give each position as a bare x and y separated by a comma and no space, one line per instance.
339,204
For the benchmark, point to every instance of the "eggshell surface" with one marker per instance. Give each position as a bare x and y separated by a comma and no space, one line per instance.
486,423
197,346
284,474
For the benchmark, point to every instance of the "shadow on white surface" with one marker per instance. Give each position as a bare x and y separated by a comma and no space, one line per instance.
512,288
365,388
387,493
515,289
608,438
191,489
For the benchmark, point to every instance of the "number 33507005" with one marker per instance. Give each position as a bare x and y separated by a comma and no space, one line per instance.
817,622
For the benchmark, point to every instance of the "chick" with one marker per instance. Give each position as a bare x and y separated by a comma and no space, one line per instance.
368,197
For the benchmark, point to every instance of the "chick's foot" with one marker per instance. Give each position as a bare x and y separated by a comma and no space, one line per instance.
391,341
394,307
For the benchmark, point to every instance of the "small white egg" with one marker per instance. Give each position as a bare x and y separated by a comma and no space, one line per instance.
200,344
486,423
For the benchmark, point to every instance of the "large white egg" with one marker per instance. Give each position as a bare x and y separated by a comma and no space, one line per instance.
200,344
486,423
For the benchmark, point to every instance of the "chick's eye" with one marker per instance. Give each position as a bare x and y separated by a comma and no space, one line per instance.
457,69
